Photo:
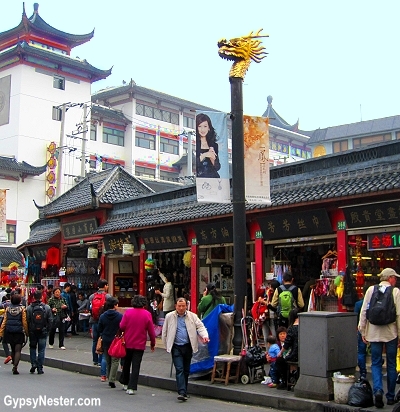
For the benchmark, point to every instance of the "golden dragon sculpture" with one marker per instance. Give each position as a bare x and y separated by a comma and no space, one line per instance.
242,50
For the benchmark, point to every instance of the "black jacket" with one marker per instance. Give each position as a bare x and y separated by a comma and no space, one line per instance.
108,326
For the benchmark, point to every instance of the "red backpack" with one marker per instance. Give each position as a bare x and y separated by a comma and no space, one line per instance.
97,303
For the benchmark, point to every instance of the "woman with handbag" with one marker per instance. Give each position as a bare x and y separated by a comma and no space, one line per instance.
108,327
136,324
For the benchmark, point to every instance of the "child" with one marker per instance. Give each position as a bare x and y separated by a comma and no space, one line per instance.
272,354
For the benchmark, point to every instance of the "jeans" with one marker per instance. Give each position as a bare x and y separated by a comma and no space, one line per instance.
38,342
376,367
133,356
57,324
362,355
181,357
273,372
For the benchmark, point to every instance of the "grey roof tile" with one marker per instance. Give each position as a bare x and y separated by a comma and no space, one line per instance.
9,255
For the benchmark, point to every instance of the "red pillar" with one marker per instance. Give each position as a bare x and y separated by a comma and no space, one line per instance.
259,259
142,272
194,284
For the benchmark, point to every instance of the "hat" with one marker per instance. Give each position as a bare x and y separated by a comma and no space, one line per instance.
387,273
269,276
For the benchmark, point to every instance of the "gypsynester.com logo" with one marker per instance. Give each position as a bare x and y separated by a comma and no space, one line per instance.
43,400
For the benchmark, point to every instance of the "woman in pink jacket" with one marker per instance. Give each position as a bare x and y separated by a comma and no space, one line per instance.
136,324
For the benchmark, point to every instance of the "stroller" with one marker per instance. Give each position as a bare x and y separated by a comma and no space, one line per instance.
253,357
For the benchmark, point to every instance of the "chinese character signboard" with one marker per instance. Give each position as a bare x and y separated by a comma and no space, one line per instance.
164,239
377,214
384,241
215,233
80,229
256,159
114,244
290,225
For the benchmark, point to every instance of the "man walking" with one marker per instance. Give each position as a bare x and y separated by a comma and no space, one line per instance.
179,336
40,320
382,332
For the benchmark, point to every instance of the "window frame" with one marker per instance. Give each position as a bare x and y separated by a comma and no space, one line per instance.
107,137
146,137
165,143
58,82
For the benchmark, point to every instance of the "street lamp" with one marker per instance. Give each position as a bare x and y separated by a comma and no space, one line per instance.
242,51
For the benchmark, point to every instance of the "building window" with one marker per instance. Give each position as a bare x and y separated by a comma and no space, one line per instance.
145,172
368,140
11,230
188,122
113,136
171,177
158,114
340,146
107,166
169,146
92,164
145,140
57,114
93,132
59,82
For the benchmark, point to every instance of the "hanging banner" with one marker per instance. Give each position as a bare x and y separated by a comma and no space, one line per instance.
3,220
256,159
212,167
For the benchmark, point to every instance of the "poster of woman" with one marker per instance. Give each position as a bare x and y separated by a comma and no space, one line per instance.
212,169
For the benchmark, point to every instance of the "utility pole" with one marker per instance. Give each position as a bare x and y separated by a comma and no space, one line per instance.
84,123
60,150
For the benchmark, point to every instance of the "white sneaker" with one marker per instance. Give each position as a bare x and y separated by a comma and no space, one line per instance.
63,348
51,346
130,391
124,387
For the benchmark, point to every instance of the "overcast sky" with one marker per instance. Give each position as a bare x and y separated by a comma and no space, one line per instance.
329,62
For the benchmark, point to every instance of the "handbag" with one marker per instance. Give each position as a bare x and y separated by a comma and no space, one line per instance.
99,346
117,347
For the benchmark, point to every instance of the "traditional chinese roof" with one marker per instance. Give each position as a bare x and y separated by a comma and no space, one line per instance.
102,112
9,255
277,120
11,168
133,89
343,177
35,27
42,231
365,128
103,188
23,52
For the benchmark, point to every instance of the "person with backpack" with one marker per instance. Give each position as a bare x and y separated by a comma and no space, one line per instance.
40,320
286,297
97,301
14,329
380,326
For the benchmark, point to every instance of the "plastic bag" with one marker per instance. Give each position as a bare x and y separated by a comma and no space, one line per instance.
360,394
255,356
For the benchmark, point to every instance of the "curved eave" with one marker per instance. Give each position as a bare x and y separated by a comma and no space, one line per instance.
24,50
35,25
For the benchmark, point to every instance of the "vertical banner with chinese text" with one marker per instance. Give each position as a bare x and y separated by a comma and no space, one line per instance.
212,167
3,219
256,159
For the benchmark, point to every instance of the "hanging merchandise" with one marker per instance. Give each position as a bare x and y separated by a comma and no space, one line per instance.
187,259
149,264
279,265
349,291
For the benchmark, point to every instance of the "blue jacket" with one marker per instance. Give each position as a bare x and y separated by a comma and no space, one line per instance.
67,298
108,326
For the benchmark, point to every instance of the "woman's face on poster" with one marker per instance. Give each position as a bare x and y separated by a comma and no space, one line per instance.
203,129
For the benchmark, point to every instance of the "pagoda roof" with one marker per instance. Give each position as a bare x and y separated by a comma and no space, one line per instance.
62,63
9,255
103,188
103,112
35,25
23,169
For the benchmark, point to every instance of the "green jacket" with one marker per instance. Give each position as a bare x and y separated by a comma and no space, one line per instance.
57,303
206,305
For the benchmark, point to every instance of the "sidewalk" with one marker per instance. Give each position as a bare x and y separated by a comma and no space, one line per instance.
155,372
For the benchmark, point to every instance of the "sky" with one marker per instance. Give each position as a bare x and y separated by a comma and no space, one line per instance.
329,62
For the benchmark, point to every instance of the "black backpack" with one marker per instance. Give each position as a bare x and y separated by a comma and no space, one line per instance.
381,309
38,321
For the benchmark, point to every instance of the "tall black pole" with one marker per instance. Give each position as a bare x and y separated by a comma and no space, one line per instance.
239,208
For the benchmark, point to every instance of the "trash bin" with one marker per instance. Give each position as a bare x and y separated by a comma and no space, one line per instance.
341,387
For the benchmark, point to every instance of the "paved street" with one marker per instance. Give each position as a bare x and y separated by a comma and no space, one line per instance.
58,386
